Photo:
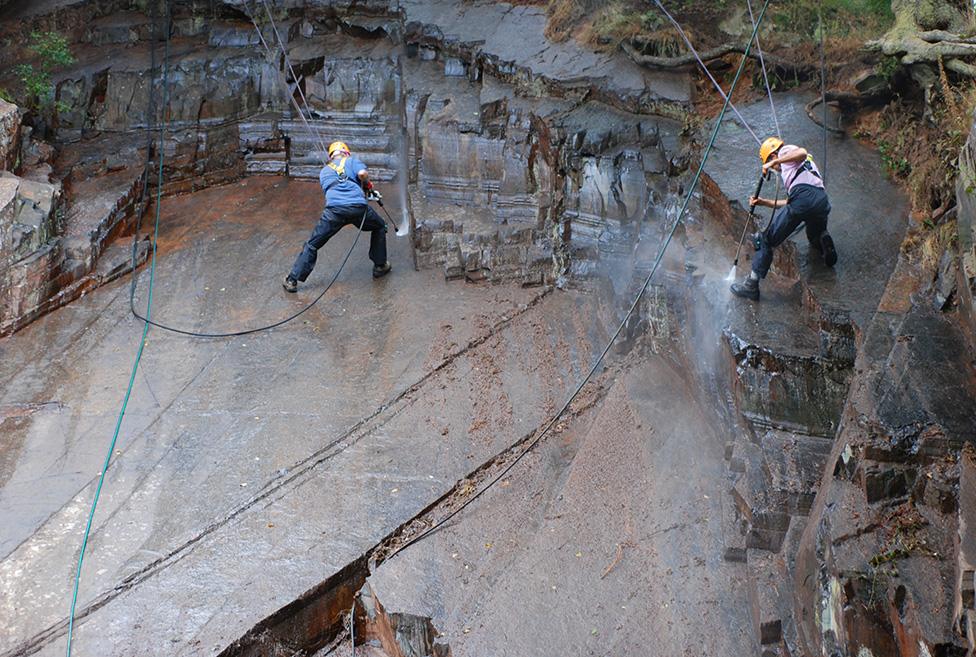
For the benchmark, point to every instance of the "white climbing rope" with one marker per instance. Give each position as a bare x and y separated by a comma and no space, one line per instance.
762,63
313,132
711,77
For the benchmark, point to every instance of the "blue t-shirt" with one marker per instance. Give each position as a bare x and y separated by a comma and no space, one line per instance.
342,190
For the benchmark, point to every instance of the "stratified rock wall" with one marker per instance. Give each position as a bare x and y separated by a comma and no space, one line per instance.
30,247
966,218
885,565
523,161
9,135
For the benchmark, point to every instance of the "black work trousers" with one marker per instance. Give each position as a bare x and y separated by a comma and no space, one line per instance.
807,204
330,223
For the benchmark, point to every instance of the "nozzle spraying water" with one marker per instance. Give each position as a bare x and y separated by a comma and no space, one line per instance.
404,228
745,228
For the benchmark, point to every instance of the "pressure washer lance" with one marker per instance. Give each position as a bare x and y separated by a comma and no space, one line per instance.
745,229
376,196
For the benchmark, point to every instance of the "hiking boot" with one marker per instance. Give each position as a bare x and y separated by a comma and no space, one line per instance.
747,289
380,272
828,250
290,284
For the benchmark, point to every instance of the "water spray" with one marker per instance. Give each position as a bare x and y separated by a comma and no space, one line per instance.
403,176
745,229
403,228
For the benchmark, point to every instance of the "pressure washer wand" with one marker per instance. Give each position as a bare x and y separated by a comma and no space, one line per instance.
375,196
745,229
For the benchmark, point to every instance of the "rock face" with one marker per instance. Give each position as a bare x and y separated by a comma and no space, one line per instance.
849,491
885,565
30,218
512,188
966,221
505,149
9,135
49,246
515,50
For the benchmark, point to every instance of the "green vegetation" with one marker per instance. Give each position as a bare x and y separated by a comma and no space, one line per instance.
52,52
616,22
895,164
609,23
920,144
841,17
887,68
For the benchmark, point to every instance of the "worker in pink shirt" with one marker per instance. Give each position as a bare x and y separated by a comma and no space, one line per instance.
806,203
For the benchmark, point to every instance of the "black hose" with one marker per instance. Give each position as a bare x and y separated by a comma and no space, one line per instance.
231,334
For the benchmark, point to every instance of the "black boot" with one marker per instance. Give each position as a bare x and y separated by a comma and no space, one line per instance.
380,272
290,284
828,250
747,289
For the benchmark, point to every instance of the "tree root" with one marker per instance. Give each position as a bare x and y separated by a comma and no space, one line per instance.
947,209
811,106
929,48
786,65
961,67
845,101
935,36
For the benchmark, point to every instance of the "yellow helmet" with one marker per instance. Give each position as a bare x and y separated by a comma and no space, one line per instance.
337,146
768,147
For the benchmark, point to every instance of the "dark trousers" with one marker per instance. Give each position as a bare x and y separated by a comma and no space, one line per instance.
330,223
807,204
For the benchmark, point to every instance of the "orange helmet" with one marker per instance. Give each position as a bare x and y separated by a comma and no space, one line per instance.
768,147
337,147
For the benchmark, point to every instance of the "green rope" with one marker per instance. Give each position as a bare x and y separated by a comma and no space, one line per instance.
708,149
139,352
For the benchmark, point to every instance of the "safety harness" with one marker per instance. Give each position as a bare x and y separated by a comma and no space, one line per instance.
806,166
340,169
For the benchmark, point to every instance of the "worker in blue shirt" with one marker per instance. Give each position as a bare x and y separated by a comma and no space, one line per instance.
345,183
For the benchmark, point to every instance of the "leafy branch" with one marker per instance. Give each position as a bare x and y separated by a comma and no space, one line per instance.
52,52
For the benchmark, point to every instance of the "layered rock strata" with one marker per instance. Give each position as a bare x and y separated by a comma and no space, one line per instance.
515,166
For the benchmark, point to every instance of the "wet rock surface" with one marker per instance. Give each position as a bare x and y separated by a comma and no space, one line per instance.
792,472
865,553
285,436
965,263
517,50
601,541
505,145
